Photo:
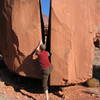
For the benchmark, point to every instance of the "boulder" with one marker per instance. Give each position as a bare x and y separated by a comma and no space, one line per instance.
72,32
20,33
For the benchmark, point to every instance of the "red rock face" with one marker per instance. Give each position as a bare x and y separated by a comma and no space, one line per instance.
20,35
98,15
72,32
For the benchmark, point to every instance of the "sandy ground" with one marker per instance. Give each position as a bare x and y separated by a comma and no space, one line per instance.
9,90
14,87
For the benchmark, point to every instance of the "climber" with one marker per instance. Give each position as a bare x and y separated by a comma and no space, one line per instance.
46,66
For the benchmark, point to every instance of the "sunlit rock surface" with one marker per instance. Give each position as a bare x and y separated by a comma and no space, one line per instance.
98,13
72,32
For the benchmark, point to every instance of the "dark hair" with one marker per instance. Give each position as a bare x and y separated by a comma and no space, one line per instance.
42,47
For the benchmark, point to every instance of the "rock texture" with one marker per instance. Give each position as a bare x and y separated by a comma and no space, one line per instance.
98,13
19,35
72,32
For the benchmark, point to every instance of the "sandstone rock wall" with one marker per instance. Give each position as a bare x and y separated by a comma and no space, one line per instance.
73,25
98,15
20,34
72,32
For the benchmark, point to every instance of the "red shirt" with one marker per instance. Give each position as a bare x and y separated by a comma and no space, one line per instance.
43,59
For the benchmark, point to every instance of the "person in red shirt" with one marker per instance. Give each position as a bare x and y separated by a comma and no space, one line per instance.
45,66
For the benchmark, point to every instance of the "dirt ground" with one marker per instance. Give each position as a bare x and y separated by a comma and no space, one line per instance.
14,87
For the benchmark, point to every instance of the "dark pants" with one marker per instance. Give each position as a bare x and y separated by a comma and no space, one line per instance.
45,76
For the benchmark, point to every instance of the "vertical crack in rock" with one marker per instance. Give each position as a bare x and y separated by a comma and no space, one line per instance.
42,23
0,13
48,44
